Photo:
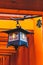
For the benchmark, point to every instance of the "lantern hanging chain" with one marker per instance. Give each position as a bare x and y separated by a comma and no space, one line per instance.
17,25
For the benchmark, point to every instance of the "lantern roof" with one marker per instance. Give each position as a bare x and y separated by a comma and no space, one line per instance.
18,29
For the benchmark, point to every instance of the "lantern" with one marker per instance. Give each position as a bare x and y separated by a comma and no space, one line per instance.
17,37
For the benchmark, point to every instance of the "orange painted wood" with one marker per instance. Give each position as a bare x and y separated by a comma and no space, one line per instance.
1,60
26,56
42,29
16,11
38,44
6,60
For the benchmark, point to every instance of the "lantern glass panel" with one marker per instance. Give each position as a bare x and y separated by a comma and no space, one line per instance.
13,37
23,37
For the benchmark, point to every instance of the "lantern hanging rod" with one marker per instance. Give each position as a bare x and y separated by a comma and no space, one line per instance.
25,17
17,17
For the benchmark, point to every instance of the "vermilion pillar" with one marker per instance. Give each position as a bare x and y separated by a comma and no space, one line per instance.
38,44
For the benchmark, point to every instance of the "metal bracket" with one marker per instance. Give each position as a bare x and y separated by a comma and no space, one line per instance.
39,23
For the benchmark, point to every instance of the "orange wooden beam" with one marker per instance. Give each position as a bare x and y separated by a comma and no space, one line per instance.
13,11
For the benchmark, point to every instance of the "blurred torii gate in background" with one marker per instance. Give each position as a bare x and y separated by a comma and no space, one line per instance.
33,55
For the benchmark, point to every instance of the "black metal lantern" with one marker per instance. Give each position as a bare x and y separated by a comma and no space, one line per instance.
17,37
